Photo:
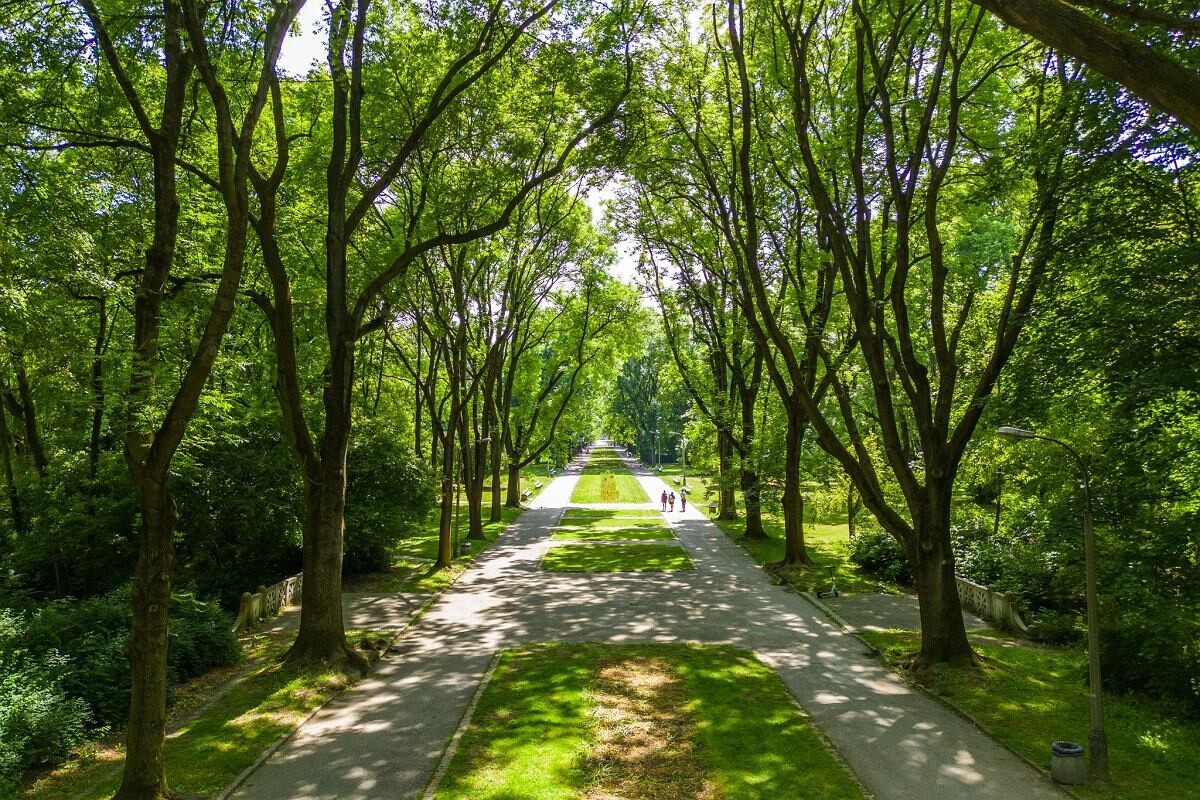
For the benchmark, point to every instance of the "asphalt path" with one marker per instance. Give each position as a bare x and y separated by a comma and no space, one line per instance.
385,737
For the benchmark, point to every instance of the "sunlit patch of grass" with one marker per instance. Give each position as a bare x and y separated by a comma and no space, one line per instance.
601,514
1028,697
825,543
616,558
538,730
612,534
608,488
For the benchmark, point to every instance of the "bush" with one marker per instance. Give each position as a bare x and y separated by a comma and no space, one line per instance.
389,493
39,723
91,636
879,554
241,511
1055,627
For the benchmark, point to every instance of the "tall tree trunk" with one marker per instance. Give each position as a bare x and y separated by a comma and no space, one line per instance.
448,510
795,552
852,507
943,635
322,634
751,488
514,485
497,505
145,771
14,498
727,506
97,392
33,436
751,497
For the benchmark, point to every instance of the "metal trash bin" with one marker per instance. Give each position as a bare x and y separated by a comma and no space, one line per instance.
464,549
1067,764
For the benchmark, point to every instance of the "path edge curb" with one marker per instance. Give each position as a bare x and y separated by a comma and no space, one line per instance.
395,637
452,746
945,702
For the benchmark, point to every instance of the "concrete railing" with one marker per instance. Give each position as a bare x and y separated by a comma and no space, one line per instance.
999,607
267,601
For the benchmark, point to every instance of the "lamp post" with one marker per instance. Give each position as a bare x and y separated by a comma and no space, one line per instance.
684,443
1097,741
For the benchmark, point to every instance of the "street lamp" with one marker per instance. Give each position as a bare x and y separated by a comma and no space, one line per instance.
1097,741
683,441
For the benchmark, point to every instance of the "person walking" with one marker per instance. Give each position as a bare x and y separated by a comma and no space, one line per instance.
671,500
683,501
664,499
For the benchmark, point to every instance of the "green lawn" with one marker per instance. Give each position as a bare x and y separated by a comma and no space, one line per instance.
590,533
413,571
826,544
621,514
1029,696
565,721
608,487
616,558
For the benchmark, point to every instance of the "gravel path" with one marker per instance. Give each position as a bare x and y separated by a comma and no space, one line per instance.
383,739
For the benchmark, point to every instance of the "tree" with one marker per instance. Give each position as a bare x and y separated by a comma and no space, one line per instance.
431,184
1117,45
912,239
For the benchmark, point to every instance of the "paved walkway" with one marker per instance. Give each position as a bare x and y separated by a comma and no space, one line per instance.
383,738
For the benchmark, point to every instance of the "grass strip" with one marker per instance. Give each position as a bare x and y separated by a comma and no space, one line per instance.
640,721
616,558
622,514
608,487
612,534
1029,696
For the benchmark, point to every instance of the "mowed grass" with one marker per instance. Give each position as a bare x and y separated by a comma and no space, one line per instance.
593,533
616,558
619,514
826,544
1029,696
608,487
648,527
565,721
606,480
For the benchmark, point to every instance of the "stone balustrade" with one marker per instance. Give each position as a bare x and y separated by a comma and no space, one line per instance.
999,607
267,601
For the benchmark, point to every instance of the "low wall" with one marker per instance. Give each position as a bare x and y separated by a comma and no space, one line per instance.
267,601
999,607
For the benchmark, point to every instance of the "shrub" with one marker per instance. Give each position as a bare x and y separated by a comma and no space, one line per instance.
240,511
39,723
389,493
879,554
91,636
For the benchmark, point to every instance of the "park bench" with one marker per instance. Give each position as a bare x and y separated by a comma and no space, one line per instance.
537,485
525,495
